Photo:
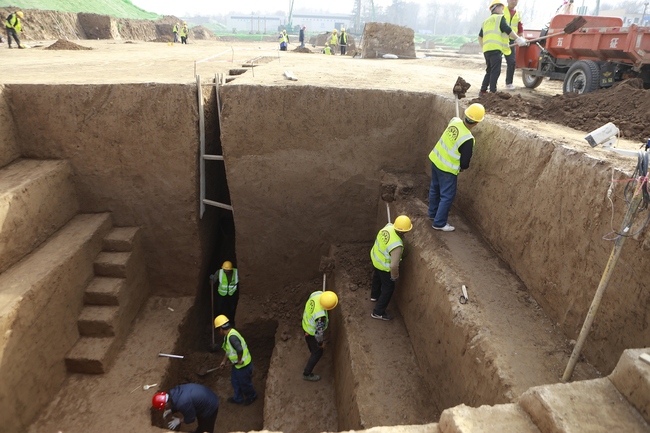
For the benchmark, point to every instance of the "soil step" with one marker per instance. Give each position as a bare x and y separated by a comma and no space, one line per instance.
587,406
104,291
36,199
98,321
112,264
91,355
486,419
632,379
121,239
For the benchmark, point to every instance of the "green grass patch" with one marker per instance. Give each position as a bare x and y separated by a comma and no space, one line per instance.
115,8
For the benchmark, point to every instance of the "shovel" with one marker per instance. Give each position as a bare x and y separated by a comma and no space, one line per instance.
202,372
574,25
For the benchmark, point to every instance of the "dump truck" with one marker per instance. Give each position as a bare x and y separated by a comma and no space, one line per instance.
597,55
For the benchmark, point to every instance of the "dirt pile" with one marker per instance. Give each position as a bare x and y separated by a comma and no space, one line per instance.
302,50
470,48
385,38
62,44
626,104
200,32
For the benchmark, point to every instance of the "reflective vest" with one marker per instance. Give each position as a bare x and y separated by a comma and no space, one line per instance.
183,31
446,154
387,240
493,39
232,353
175,29
513,21
344,38
13,22
328,50
313,311
284,38
226,289
333,39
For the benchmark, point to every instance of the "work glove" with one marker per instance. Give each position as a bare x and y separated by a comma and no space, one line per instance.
175,422
167,412
521,41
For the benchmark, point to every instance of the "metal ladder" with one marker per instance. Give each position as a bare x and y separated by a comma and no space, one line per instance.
218,79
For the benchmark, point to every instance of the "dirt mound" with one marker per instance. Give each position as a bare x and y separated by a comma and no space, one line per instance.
200,32
62,44
301,50
470,48
385,38
626,104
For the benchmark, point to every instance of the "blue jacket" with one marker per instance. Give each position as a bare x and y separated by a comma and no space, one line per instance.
193,400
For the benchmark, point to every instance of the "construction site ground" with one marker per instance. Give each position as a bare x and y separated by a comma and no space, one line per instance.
74,410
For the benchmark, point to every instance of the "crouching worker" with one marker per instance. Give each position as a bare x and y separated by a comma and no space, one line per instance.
241,373
192,401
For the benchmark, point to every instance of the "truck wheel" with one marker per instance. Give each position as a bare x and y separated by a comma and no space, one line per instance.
583,77
531,81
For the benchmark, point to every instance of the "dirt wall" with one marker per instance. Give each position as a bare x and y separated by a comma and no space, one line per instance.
134,152
385,38
300,182
39,24
8,147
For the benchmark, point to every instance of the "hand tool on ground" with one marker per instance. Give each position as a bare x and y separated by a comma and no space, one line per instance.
167,355
464,298
574,25
146,387
460,88
202,372
213,346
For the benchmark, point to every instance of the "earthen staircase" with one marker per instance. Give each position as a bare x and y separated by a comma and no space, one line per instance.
63,274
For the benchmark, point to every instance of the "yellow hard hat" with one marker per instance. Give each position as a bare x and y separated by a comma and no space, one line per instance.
342,29
475,113
220,321
494,3
227,266
329,300
20,14
403,224
334,31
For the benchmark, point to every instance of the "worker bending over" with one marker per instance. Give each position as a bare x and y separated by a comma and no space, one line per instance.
241,372
14,26
386,254
450,156
493,38
314,322
192,401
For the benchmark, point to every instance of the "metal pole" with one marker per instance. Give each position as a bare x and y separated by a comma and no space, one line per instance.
604,280
645,6
202,148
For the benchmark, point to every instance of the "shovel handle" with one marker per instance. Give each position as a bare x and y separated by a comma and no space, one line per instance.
541,39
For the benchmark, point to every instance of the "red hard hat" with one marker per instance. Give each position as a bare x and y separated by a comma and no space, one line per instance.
159,400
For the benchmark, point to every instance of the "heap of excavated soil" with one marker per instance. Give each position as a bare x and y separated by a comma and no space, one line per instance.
200,32
625,104
302,50
62,44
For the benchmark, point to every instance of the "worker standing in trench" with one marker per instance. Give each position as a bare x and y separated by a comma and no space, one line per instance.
451,155
241,373
314,322
494,41
386,255
192,401
227,296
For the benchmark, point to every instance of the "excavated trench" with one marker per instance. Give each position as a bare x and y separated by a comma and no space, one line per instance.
314,172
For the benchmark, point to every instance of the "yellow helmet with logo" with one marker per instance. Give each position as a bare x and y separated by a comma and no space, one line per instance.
475,113
329,300
403,224
227,266
220,321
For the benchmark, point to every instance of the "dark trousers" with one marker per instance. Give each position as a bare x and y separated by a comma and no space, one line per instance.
175,37
241,380
442,192
226,305
207,424
511,60
183,39
382,290
316,353
343,48
12,32
492,70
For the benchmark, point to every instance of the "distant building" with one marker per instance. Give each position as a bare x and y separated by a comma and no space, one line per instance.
628,18
270,23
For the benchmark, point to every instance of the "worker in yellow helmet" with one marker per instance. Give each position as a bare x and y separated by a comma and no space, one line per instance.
327,50
334,39
386,255
284,40
227,296
343,41
14,27
450,156
175,31
183,33
493,38
241,372
314,322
